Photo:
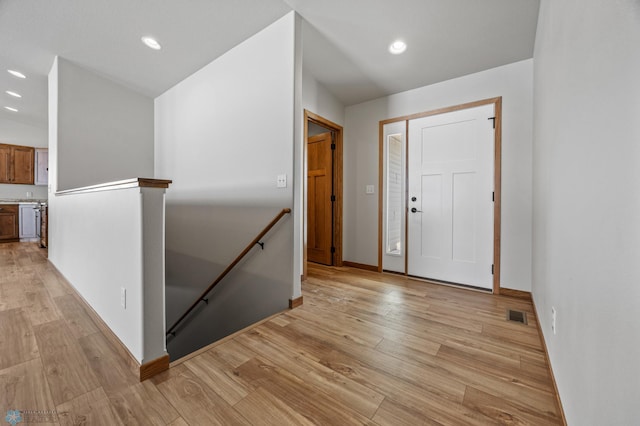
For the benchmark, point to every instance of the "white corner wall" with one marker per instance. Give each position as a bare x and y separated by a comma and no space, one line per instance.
105,131
223,135
226,132
318,100
361,148
586,227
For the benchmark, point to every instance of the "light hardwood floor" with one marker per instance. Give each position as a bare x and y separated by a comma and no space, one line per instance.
365,348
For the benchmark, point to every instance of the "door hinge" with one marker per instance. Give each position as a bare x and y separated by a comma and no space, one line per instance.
493,121
491,269
493,196
333,249
333,198
333,146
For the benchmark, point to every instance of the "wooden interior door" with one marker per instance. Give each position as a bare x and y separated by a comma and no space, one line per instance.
319,203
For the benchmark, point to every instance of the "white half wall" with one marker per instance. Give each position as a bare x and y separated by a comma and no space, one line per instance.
100,260
105,130
586,227
361,150
108,242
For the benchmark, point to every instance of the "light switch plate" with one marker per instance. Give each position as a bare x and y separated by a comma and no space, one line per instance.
369,189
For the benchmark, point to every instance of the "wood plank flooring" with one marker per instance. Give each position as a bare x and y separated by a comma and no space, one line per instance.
365,348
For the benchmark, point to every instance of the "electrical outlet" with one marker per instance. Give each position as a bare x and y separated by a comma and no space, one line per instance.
123,297
553,319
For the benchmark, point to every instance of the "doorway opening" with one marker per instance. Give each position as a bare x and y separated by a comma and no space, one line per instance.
323,191
440,180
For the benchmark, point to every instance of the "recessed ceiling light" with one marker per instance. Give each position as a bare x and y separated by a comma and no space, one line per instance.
11,109
397,47
16,74
152,43
14,94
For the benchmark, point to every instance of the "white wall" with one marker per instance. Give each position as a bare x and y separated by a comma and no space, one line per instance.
318,100
96,239
586,242
105,130
98,260
125,252
514,83
18,133
223,135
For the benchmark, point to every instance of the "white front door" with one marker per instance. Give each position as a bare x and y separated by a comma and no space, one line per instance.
450,191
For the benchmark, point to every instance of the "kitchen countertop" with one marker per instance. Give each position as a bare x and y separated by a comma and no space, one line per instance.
22,201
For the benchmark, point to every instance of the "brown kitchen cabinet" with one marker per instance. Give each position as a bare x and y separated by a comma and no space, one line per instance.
9,230
16,164
6,161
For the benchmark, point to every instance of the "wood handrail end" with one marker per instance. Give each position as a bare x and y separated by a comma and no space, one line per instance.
228,269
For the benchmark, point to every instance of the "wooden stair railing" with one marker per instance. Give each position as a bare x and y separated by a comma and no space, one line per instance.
232,265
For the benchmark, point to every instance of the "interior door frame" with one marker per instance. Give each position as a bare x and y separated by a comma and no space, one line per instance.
497,178
337,186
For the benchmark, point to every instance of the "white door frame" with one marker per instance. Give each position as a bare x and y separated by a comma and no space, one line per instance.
497,102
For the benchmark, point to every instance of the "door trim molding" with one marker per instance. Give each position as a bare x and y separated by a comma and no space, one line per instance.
497,181
337,183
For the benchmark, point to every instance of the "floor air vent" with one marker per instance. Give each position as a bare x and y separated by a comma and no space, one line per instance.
517,316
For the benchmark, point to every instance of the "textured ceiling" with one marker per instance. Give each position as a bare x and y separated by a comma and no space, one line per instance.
345,42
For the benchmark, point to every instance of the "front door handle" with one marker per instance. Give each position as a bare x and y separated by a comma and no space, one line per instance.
414,210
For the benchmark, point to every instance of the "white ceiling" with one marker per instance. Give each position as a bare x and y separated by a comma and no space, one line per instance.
345,42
